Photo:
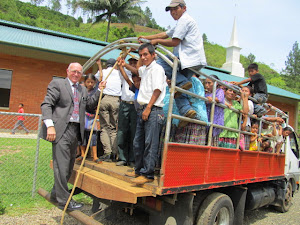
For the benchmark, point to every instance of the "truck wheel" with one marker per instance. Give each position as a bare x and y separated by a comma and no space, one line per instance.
287,202
216,209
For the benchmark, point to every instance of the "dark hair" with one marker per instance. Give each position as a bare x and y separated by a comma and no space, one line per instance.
267,140
288,129
90,76
250,89
181,5
21,104
214,76
254,121
253,66
149,46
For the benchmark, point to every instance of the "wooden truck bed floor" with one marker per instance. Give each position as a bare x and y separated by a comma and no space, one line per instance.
108,181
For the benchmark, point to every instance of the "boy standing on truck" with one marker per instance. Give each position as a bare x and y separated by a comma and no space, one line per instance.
187,41
150,115
260,90
127,117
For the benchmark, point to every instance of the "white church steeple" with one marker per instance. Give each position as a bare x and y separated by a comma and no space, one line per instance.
233,55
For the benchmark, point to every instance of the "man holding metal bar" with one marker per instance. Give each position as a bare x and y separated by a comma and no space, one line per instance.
188,47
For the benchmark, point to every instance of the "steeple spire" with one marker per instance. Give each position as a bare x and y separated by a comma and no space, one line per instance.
233,55
234,39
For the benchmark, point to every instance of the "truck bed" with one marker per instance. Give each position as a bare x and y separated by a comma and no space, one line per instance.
108,181
184,168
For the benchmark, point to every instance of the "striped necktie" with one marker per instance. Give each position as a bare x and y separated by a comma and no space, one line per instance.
75,113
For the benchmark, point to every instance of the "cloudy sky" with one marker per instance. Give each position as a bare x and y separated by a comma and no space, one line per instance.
266,28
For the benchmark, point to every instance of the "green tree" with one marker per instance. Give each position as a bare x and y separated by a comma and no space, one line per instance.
251,58
292,70
55,5
204,37
80,20
36,2
89,20
104,10
123,33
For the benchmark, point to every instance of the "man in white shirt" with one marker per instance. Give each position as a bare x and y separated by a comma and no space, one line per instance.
109,110
150,115
126,121
188,47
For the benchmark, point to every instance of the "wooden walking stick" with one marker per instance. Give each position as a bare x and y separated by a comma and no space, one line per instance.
124,54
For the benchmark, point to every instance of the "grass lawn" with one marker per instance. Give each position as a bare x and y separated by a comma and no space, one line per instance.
17,163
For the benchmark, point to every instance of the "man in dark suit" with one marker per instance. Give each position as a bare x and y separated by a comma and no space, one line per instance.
63,113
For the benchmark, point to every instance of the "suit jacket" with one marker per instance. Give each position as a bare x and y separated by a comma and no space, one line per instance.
58,105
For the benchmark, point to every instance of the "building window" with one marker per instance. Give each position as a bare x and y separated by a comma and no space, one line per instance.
5,85
57,78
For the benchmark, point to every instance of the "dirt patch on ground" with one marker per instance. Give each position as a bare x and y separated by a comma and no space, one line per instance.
9,150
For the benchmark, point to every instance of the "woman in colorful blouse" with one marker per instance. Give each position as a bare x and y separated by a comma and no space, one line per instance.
219,111
228,139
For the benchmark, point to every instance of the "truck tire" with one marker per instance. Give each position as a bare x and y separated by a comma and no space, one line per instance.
216,209
287,202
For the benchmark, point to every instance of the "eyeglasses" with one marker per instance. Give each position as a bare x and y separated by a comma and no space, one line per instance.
76,71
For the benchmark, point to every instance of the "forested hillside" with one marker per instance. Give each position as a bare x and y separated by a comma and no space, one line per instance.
26,13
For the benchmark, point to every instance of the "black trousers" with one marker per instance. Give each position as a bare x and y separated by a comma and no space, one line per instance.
63,155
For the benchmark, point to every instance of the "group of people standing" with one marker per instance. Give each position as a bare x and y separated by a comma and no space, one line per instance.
66,102
134,105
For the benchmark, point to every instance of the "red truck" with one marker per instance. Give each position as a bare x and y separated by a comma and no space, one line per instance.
196,184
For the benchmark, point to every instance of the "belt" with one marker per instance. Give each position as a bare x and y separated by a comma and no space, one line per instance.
128,102
153,107
112,96
74,124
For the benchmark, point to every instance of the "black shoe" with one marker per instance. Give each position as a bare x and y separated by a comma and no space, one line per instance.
113,157
131,164
105,158
72,206
76,191
53,199
121,163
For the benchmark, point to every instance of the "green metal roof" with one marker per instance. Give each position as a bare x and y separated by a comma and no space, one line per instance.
224,75
52,41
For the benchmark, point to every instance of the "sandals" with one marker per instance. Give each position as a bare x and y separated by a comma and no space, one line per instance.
79,158
98,161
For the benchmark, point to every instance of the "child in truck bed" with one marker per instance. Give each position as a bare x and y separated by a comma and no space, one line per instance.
260,90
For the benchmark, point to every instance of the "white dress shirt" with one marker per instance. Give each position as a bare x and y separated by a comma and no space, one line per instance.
114,82
190,49
152,77
127,95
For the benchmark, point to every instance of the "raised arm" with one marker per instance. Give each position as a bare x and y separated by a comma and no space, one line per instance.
162,38
132,69
100,69
241,82
244,98
121,65
162,35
